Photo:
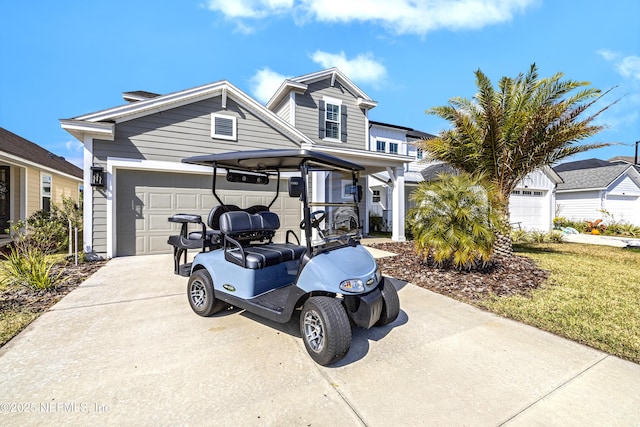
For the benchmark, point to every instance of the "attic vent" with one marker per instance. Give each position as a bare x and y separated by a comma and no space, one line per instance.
223,127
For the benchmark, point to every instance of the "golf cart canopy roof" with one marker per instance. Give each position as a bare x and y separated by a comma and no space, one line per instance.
271,160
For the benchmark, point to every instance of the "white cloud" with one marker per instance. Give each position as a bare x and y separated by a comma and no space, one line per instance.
399,16
264,84
73,145
627,66
363,68
249,8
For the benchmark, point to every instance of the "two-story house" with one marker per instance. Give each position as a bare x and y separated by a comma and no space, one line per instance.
133,153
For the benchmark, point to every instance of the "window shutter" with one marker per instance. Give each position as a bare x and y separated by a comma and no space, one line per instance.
321,117
343,123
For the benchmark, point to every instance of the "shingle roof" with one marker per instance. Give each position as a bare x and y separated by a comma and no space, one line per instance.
581,164
598,177
430,173
18,146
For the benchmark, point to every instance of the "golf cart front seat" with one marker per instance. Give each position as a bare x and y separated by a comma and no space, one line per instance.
241,228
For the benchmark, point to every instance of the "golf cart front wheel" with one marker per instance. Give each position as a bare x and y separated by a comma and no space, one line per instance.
325,329
201,296
390,304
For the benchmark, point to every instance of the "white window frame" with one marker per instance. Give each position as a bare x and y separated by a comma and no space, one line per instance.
419,154
234,130
384,146
397,146
42,192
376,196
338,103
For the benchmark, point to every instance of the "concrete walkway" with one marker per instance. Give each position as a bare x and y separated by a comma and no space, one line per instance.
125,349
620,242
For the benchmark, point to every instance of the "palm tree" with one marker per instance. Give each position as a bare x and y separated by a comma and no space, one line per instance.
452,222
507,133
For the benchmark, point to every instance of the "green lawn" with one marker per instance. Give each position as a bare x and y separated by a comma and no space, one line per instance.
592,296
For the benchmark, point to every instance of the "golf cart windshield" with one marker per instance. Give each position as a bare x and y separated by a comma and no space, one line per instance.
336,209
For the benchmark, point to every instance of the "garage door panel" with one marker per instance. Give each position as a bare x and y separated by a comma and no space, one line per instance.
145,200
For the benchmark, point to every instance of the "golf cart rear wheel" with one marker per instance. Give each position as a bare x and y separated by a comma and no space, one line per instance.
201,296
390,304
325,329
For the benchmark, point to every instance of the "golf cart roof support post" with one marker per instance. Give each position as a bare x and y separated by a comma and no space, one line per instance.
306,209
277,189
213,184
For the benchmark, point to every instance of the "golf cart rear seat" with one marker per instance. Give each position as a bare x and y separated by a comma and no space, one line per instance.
241,228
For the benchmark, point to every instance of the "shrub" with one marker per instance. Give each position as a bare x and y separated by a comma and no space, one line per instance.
47,230
452,222
520,236
30,267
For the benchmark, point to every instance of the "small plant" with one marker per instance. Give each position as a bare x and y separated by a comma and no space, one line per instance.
520,236
595,227
29,267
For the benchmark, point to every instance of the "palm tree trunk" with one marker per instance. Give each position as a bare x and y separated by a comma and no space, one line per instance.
503,247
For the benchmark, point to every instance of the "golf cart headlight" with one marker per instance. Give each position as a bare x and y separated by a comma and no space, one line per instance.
352,285
378,275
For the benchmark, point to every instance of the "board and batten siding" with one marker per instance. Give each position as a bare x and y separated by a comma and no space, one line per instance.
306,114
172,135
579,206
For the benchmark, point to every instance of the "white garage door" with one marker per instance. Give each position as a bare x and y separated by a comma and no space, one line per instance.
145,200
528,208
623,208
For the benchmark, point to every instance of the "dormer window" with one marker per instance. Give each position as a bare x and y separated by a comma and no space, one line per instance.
332,120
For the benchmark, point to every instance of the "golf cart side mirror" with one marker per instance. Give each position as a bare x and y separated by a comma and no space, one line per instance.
296,186
359,193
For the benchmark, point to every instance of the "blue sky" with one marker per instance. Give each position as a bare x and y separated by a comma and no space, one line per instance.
66,58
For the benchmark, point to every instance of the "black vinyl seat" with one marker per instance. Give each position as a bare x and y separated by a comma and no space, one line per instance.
237,227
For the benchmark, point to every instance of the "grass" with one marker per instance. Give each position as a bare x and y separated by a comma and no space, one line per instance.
592,296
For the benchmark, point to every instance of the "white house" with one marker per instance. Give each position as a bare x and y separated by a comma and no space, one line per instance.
592,187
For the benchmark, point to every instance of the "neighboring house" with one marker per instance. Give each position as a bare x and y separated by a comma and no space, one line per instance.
393,139
32,178
594,187
531,203
140,145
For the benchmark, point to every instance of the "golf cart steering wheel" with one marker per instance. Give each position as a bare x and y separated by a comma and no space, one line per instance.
315,222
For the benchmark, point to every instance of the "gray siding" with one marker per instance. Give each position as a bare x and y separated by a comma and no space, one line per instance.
174,134
283,110
306,112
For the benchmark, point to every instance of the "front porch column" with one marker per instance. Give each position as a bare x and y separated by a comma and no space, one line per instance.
397,202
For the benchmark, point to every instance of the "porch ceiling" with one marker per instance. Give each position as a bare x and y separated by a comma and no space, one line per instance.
372,161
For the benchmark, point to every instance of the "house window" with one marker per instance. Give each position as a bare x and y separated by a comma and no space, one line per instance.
393,148
224,127
376,196
420,154
332,120
538,193
45,192
381,146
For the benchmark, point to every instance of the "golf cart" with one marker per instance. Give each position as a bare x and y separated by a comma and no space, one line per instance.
330,277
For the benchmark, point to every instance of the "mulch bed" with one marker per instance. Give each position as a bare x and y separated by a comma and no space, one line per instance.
514,275
38,301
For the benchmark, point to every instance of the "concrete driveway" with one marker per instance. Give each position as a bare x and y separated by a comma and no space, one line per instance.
125,349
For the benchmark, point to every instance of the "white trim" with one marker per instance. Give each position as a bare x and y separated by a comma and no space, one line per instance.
23,193
292,109
116,163
333,101
87,211
20,162
234,127
78,128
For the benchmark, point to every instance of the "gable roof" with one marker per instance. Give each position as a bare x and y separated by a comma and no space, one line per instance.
101,124
23,149
300,85
598,178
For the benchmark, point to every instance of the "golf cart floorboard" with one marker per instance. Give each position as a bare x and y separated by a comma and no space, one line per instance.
274,300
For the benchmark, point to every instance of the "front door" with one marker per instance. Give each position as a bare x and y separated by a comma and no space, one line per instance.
4,199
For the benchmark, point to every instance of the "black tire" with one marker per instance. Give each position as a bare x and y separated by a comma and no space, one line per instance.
390,304
325,329
201,296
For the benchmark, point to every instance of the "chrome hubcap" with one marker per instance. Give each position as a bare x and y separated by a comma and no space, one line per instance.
198,294
313,331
